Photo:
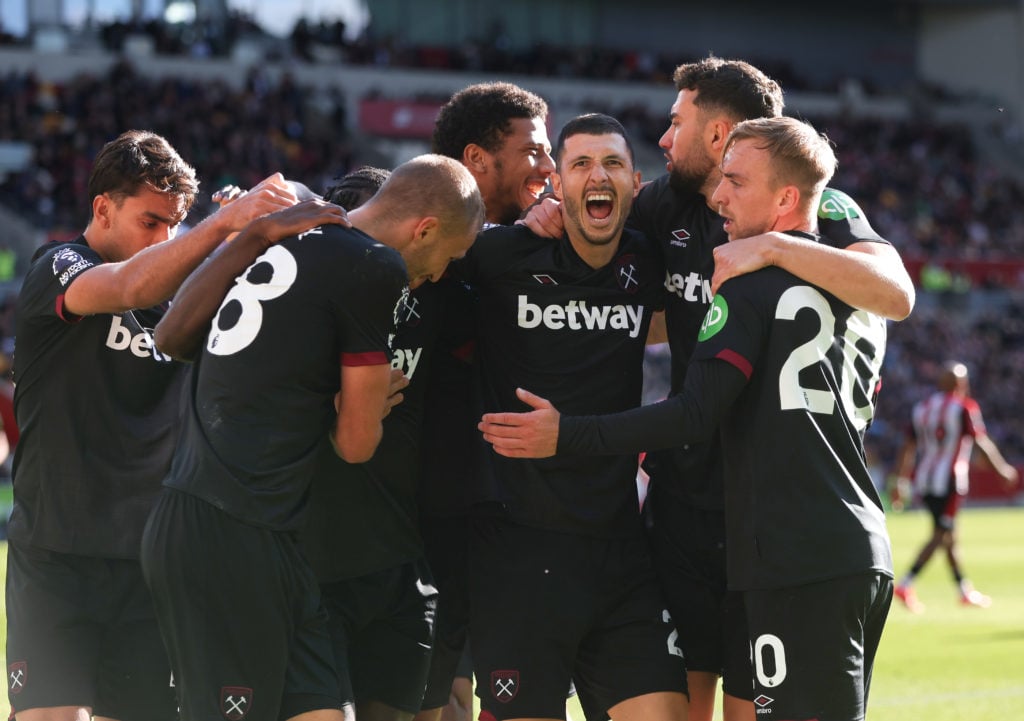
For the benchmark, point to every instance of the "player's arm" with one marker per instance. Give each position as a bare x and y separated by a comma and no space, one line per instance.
362,404
180,332
658,332
866,275
710,388
988,448
154,274
905,457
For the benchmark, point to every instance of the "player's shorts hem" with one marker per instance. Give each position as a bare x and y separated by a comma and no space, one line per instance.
295,704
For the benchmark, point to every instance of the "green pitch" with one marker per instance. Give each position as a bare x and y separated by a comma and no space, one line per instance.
949,663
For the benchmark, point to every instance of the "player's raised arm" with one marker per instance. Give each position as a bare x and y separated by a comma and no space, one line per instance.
867,275
153,274
179,334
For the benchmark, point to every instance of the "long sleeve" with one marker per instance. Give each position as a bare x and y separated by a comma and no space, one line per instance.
693,415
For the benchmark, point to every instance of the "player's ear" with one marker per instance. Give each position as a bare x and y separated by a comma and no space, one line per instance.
425,229
637,181
556,186
476,158
788,199
102,206
717,132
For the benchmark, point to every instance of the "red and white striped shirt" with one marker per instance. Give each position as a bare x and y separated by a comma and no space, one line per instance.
946,425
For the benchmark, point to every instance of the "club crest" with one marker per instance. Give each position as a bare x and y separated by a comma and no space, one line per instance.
504,685
235,702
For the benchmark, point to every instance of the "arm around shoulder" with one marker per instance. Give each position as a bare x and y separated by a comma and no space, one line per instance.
867,275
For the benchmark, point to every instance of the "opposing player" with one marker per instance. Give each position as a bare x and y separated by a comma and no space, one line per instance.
790,374
945,428
265,394
687,518
98,408
561,582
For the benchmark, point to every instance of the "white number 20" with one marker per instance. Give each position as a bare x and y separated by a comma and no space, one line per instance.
863,344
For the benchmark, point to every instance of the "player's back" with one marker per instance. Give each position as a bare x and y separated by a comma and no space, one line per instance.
794,469
263,388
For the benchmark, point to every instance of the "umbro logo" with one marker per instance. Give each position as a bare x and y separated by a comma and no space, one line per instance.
762,703
679,237
545,279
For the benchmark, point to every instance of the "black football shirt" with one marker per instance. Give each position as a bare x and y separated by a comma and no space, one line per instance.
800,504
262,395
687,231
551,324
363,517
789,374
98,409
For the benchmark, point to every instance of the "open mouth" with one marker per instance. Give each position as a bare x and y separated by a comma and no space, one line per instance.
599,205
536,189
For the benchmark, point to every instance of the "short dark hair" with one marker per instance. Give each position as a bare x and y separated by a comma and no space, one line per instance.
592,124
734,87
139,159
353,189
480,115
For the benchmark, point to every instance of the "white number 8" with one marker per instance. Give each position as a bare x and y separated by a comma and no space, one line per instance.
240,316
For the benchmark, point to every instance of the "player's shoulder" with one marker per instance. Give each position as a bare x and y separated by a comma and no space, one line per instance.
836,204
659,194
637,244
356,245
62,261
970,404
500,245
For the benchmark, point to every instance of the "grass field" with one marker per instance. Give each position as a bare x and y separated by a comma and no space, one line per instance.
950,663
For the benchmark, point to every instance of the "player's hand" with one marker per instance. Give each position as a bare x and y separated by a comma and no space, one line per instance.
227,193
296,219
533,434
1010,477
399,382
741,256
544,218
271,194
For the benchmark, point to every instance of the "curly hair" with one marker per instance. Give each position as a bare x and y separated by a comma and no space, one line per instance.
353,189
480,114
734,87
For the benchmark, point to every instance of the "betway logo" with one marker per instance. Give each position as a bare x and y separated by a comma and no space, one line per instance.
406,360
141,344
686,287
577,315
